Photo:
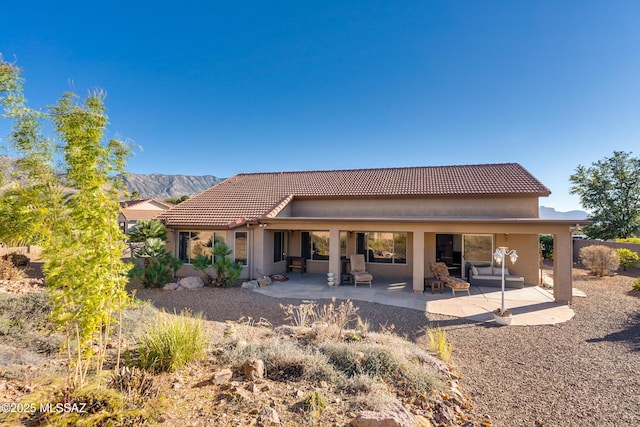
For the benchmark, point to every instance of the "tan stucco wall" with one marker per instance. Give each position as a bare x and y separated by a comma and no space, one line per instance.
526,246
519,235
515,207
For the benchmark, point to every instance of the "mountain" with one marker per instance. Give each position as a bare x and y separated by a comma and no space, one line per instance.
154,185
551,213
165,186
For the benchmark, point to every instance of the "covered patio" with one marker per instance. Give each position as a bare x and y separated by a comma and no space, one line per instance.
531,305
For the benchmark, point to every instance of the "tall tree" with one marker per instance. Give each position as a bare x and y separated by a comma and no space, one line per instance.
610,191
82,243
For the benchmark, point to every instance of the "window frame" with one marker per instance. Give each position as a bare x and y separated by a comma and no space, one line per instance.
215,237
363,247
242,261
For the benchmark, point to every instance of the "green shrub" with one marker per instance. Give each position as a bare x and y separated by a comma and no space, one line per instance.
202,263
636,285
600,259
227,270
158,264
173,341
635,240
546,245
628,258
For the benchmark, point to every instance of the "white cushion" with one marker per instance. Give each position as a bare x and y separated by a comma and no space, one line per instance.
474,270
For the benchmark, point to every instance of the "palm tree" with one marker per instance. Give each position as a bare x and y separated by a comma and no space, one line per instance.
147,229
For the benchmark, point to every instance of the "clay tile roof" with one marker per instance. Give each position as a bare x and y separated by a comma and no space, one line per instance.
251,196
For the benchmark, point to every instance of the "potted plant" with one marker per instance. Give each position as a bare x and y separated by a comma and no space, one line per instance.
502,317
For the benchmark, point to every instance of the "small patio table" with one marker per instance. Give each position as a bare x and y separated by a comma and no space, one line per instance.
435,284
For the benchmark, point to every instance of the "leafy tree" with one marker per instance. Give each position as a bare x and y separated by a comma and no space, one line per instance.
177,199
82,243
610,191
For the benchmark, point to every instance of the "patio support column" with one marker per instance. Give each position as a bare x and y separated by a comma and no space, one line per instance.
334,254
562,266
418,261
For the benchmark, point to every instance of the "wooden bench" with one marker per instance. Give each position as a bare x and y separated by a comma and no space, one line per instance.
296,263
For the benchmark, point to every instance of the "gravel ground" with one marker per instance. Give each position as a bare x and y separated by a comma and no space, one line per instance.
585,372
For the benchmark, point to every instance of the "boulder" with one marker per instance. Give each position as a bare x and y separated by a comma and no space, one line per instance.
192,282
265,281
392,414
252,284
268,417
222,376
170,287
253,369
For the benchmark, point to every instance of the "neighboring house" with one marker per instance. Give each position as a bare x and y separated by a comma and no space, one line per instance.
132,211
401,219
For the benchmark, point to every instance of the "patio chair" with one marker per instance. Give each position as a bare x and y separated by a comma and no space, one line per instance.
441,272
358,270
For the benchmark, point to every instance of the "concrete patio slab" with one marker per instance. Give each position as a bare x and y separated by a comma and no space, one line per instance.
531,305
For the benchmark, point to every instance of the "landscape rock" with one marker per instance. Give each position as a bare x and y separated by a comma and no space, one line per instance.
192,282
265,281
252,284
253,369
269,417
170,287
393,414
222,376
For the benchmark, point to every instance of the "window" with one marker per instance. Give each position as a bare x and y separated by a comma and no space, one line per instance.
315,245
320,245
194,243
240,247
383,247
278,246
478,247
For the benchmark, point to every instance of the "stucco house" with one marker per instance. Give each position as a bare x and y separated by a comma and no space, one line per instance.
132,211
402,219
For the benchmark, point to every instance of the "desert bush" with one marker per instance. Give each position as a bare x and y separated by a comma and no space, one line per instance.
19,260
438,343
301,315
8,271
284,360
331,319
173,341
382,363
636,285
89,405
628,258
600,259
133,382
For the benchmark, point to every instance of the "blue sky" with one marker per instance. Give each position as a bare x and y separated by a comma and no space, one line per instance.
223,87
